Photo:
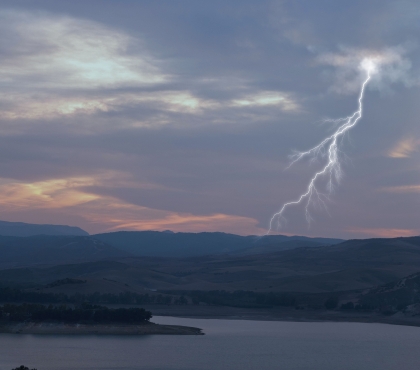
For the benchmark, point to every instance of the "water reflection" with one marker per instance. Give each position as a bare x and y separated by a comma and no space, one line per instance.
227,345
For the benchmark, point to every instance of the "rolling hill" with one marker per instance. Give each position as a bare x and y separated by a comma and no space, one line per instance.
53,250
352,265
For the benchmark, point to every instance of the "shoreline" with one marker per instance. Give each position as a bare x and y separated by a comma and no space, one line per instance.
283,314
97,329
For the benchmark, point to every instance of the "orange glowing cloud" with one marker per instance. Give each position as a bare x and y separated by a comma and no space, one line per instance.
68,199
404,148
55,193
403,189
384,232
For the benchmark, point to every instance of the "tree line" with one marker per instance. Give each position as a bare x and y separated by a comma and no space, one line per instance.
8,294
240,298
83,313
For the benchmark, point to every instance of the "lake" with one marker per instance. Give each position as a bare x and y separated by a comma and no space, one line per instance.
227,345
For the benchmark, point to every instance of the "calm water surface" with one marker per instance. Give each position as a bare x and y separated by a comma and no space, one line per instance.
227,345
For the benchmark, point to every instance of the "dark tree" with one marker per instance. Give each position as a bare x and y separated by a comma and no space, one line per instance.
331,303
347,306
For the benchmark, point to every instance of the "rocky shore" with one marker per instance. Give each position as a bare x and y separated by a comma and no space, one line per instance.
97,329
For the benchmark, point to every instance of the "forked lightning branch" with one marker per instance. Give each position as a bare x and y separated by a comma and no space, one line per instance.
329,148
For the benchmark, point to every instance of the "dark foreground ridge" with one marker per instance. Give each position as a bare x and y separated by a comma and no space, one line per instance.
373,280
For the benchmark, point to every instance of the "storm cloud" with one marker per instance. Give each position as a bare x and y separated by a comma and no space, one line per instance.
181,115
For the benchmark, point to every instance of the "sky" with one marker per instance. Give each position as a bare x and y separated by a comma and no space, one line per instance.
181,115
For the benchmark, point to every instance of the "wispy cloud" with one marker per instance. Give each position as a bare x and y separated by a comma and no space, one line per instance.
63,52
383,232
402,189
268,98
48,107
60,66
404,148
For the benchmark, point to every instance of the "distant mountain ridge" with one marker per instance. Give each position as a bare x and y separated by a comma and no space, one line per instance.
23,244
23,229
180,245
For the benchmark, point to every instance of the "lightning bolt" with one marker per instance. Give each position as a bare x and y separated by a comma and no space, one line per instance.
332,168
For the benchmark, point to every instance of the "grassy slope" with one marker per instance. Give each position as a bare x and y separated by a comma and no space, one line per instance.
351,265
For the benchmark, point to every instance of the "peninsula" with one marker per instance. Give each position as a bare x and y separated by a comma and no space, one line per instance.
84,319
